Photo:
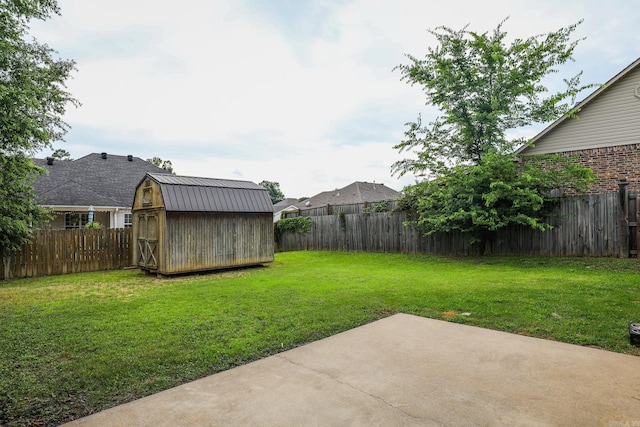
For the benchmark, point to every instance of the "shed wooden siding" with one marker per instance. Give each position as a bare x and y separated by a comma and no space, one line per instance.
610,119
154,200
201,241
186,224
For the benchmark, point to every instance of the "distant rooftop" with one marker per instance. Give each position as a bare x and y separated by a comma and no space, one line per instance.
357,192
284,204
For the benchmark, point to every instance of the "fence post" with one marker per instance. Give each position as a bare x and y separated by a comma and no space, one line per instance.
624,218
637,225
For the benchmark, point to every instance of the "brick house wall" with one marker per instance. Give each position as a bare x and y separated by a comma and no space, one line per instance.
611,164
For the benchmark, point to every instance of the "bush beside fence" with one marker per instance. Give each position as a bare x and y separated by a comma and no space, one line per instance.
53,252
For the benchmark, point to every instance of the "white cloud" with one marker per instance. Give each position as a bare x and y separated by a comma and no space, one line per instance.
223,88
320,167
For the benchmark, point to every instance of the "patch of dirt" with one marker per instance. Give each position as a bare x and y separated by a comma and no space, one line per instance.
449,314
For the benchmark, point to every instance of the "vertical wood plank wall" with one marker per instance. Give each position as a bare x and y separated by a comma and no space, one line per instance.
197,242
53,252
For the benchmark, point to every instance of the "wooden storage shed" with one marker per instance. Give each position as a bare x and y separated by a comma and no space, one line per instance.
185,224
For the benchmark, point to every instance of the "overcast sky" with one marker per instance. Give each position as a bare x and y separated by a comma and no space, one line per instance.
293,91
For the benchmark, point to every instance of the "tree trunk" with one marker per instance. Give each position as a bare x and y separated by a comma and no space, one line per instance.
487,246
2,265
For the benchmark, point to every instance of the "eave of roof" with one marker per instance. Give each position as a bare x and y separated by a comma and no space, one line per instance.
285,208
203,182
581,104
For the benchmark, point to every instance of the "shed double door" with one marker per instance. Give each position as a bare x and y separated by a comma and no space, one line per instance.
147,241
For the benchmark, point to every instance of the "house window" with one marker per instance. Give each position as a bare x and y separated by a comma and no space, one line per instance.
75,220
128,220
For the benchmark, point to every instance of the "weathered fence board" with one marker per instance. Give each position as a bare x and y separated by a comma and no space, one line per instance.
53,252
583,226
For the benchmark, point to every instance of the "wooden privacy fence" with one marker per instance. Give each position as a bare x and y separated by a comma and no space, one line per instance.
350,208
585,226
54,252
603,225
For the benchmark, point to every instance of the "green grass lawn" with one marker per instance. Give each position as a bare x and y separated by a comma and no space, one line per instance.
76,344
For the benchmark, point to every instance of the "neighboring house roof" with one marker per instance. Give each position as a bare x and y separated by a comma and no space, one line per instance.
607,117
357,192
191,194
285,204
91,180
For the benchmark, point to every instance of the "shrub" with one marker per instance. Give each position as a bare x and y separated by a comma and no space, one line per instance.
299,224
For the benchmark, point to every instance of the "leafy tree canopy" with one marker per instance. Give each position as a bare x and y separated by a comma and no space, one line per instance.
484,87
33,99
498,192
164,164
18,210
61,154
274,191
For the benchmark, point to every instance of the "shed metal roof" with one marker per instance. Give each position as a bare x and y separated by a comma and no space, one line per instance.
193,194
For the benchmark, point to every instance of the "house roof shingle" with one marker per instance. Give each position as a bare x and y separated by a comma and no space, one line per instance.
283,204
91,180
357,192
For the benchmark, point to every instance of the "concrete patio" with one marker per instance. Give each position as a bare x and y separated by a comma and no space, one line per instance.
405,370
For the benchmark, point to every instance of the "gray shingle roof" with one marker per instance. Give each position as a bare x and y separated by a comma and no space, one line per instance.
192,194
282,204
91,180
357,192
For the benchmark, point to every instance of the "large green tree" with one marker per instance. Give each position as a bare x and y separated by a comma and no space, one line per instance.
33,99
484,87
274,191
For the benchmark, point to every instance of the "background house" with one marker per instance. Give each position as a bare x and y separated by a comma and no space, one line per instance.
356,197
606,135
356,192
286,205
104,183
